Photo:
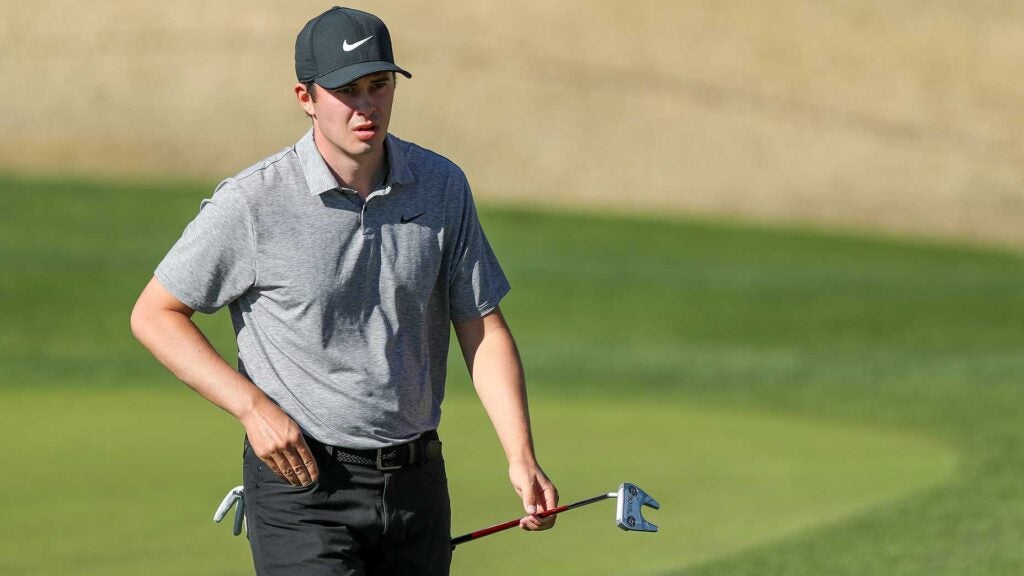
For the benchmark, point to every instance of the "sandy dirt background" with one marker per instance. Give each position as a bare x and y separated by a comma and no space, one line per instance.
905,117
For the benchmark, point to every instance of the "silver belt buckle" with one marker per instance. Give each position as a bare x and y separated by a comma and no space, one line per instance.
380,463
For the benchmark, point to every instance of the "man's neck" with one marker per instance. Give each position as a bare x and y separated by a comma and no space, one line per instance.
361,174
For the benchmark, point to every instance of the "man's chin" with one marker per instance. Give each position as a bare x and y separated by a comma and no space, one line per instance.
366,147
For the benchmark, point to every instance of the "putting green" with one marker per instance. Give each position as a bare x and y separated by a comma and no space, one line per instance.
726,480
124,481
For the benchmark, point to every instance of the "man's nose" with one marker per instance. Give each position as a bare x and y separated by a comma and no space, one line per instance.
364,104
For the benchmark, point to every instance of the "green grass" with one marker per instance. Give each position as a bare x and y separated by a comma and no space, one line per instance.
800,403
141,470
728,480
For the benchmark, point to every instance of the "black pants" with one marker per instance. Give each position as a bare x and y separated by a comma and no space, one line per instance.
354,521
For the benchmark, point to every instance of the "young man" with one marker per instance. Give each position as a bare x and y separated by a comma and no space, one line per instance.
343,260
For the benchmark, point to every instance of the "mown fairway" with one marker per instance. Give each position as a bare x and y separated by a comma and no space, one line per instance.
799,403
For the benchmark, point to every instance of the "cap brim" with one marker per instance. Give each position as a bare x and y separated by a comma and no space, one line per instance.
346,74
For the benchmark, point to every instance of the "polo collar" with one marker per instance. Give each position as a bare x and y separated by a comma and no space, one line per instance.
319,178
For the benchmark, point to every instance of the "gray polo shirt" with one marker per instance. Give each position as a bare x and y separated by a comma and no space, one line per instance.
342,307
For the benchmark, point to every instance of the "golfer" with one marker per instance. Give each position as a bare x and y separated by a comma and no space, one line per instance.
344,260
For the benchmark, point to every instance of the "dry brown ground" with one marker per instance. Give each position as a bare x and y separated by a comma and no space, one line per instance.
900,116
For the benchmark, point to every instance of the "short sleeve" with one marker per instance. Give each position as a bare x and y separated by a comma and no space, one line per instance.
476,281
214,261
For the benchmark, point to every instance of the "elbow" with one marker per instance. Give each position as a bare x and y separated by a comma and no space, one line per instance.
145,316
154,312
138,321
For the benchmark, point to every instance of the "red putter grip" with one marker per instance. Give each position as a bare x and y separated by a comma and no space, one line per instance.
553,511
513,523
493,529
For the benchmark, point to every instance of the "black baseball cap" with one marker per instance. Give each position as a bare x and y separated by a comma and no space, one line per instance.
342,45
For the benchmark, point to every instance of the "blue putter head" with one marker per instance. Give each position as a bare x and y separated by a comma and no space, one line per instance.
628,510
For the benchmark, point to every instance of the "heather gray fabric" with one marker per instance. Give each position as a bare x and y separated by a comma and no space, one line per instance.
342,308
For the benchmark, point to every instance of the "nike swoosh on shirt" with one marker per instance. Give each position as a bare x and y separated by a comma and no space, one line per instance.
350,47
407,220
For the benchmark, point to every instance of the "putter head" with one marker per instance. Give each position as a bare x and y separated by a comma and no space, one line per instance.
628,513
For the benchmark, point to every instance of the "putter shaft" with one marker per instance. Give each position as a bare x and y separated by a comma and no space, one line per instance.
513,523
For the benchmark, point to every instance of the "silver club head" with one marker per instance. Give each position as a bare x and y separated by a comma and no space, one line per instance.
628,510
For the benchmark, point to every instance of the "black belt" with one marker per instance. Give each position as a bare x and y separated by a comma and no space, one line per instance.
426,447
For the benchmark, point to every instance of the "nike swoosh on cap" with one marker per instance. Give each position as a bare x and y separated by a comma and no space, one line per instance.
350,47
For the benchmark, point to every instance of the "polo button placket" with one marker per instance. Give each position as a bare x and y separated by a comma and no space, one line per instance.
368,230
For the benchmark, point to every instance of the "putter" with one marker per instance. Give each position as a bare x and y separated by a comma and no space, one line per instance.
630,501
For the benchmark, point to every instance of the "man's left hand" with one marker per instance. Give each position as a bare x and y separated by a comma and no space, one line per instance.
537,492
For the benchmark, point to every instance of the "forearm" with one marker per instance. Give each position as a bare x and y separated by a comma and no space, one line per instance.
498,376
168,332
164,326
497,371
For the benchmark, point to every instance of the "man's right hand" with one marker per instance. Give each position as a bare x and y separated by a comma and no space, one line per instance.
277,440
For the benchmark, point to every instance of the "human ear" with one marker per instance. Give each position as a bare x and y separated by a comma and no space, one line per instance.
305,98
